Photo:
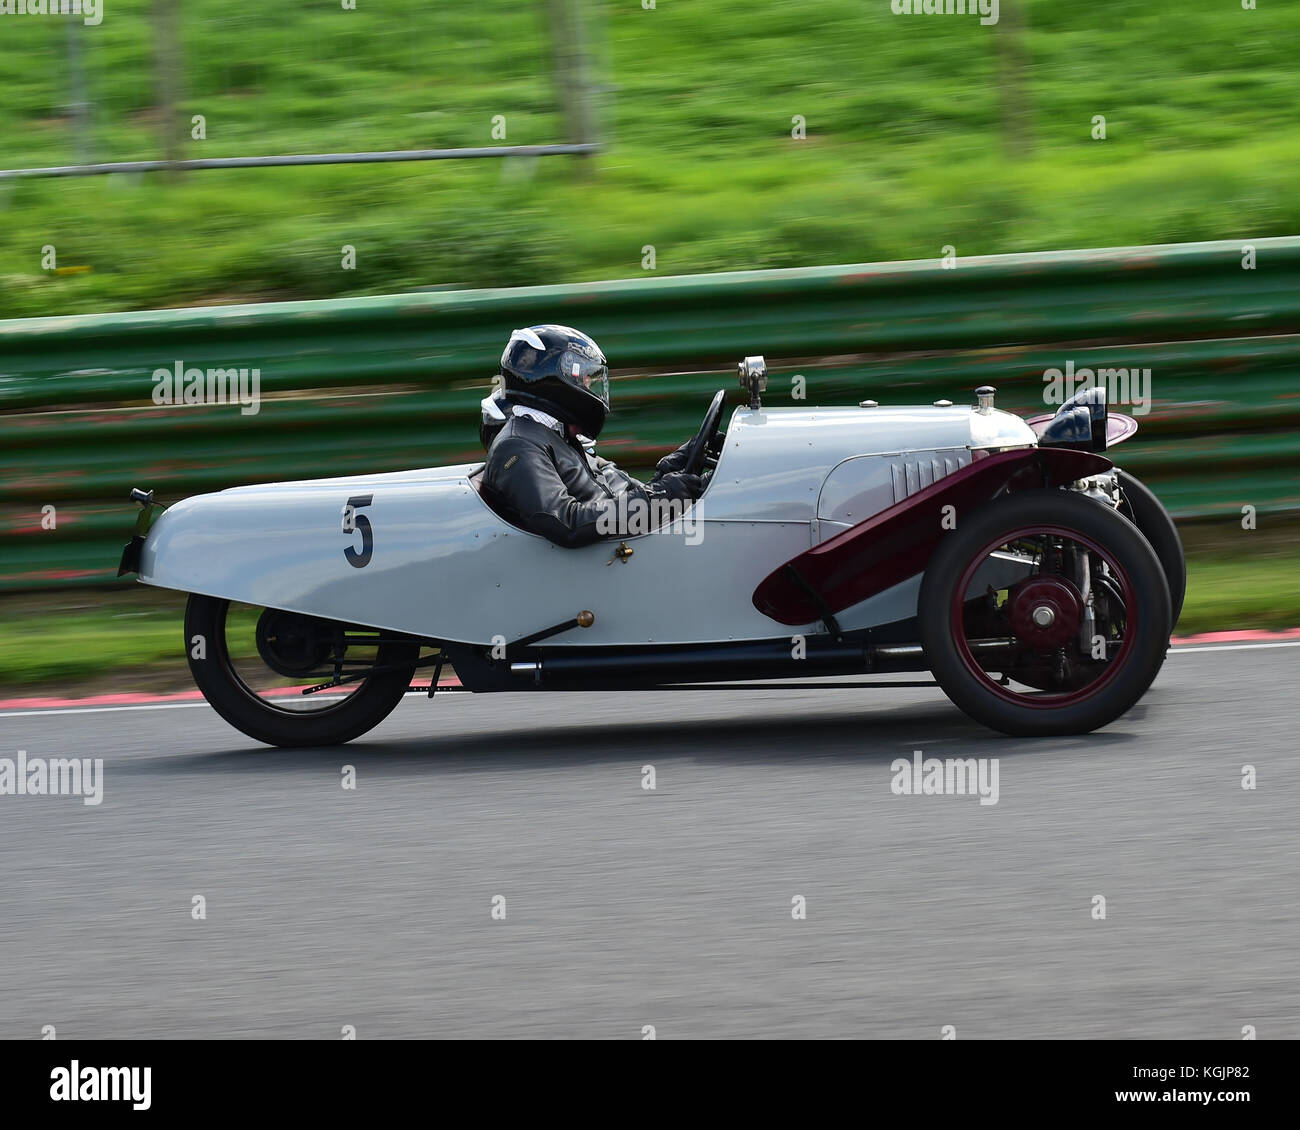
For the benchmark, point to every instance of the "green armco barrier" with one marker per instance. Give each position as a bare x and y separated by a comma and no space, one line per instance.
371,384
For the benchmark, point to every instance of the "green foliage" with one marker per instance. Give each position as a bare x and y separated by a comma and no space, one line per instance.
906,149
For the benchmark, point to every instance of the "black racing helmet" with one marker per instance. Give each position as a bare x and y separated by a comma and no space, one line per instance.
558,370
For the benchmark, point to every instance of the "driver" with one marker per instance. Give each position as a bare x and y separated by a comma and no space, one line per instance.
538,474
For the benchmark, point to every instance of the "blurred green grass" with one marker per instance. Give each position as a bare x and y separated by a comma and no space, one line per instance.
73,647
905,150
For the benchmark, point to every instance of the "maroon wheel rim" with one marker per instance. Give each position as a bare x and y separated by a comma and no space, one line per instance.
1043,700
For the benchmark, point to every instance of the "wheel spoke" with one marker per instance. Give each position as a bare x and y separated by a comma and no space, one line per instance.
1050,636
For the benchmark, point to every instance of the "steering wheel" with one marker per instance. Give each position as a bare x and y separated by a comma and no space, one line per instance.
698,452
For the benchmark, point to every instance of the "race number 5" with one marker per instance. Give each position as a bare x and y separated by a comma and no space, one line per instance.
352,521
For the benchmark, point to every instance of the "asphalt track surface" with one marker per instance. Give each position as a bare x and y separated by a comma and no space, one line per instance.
672,908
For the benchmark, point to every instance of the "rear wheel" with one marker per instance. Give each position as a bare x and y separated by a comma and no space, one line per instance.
253,665
1044,613
1149,515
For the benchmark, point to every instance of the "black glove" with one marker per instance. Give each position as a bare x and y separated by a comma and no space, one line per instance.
676,461
678,484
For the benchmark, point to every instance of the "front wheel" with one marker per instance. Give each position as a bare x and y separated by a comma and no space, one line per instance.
253,666
1044,613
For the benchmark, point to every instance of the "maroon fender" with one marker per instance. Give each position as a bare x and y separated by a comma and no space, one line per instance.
897,543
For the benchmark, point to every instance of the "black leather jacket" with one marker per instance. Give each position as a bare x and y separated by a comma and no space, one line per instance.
546,484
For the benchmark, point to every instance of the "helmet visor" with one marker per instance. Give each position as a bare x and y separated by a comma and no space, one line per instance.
587,373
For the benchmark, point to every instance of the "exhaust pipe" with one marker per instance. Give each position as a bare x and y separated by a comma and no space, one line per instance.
593,669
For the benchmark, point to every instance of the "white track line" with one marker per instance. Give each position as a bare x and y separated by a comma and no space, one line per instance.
1230,647
190,705
99,709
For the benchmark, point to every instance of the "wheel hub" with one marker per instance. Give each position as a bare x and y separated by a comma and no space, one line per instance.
290,643
1046,612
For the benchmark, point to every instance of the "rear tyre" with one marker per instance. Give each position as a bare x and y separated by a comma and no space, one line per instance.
1044,613
1150,516
285,717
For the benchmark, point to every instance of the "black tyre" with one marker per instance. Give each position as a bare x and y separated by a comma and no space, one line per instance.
251,665
1044,613
1149,515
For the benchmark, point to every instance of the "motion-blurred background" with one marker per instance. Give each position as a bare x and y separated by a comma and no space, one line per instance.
729,135
921,131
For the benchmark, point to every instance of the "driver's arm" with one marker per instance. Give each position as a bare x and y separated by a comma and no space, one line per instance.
525,480
667,482
527,483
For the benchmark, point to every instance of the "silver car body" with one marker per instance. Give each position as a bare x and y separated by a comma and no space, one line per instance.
446,566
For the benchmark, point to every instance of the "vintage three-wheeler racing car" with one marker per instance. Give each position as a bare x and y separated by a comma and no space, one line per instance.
1035,580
